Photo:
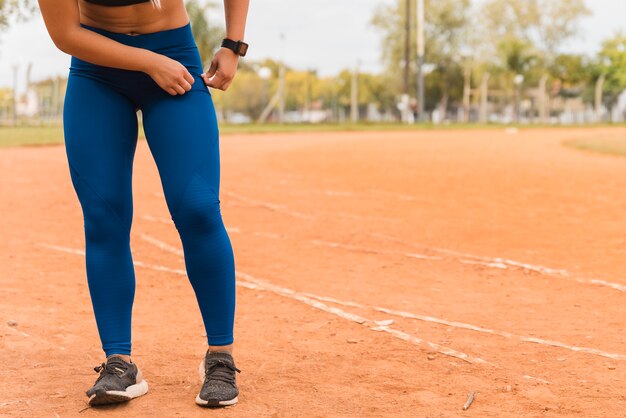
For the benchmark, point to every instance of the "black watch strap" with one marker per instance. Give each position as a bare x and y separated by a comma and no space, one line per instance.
238,47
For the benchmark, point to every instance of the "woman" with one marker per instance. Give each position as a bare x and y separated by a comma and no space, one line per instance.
130,55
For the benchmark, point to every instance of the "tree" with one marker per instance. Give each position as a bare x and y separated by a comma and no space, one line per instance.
21,10
527,35
573,73
447,34
207,36
611,63
546,24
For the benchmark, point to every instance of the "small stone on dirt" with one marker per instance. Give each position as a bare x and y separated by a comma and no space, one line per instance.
352,341
12,323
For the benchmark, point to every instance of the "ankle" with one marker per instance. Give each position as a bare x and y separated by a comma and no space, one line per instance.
221,348
124,357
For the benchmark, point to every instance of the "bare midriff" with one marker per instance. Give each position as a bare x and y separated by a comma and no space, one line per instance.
134,19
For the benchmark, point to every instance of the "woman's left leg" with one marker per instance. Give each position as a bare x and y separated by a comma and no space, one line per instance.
183,136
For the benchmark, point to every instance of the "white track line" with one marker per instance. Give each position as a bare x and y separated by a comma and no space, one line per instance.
497,262
284,209
409,315
373,251
464,258
374,325
403,314
536,378
503,263
426,318
324,243
476,328
270,206
251,282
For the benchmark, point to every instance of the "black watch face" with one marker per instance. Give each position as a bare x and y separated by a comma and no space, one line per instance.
243,48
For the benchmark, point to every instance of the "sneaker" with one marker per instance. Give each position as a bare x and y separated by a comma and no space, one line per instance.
119,381
217,372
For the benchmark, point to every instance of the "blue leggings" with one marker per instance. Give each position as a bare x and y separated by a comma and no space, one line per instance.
101,127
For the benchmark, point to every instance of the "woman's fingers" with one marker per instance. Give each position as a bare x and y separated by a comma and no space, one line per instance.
212,70
185,85
189,78
220,81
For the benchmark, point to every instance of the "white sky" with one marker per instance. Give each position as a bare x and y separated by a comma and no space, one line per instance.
327,35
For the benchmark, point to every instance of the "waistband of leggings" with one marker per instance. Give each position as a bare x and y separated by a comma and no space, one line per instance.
161,39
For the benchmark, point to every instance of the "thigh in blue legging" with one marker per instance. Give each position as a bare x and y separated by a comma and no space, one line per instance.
100,125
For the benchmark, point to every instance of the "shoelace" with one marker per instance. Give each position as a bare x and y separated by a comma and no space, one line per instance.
105,369
213,372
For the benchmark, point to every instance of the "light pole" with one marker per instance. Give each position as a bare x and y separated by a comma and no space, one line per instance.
420,60
407,46
15,68
518,80
354,95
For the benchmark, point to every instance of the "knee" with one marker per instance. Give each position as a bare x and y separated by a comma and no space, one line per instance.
199,211
106,218
102,225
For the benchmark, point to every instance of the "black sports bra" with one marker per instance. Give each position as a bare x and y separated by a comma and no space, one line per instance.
116,2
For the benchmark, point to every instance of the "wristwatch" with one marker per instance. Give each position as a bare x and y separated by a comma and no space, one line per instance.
238,47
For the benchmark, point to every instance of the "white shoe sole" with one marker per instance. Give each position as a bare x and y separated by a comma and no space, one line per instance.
116,396
202,402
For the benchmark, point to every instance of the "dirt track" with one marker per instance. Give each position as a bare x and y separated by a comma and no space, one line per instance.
498,257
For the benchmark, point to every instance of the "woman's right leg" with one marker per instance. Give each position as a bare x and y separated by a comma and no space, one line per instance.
100,127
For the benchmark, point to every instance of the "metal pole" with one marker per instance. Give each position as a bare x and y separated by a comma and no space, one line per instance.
407,45
598,96
466,91
420,59
354,95
484,97
15,67
281,97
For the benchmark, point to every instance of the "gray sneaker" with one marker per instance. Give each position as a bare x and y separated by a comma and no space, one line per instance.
217,372
119,381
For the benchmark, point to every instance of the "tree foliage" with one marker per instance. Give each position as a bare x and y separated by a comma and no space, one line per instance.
612,63
208,37
20,10
447,38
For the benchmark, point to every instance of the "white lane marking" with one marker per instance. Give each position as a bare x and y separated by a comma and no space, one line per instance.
500,265
270,206
162,245
373,251
374,325
536,378
464,258
426,318
329,244
503,263
252,282
66,249
158,219
494,265
284,209
461,325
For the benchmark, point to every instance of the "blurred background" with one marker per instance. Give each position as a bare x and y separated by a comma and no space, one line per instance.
374,61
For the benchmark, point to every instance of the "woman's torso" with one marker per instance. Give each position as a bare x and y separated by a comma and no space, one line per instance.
136,18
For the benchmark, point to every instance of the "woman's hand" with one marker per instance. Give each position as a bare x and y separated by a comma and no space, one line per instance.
169,74
223,68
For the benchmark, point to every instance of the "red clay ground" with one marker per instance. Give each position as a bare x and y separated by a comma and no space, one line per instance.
424,229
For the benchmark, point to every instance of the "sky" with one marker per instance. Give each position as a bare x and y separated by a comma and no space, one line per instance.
324,35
